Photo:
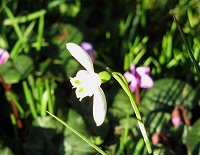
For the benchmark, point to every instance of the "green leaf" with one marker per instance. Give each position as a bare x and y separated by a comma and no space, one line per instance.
65,33
70,9
193,139
23,64
64,63
44,137
16,70
158,121
121,106
71,67
72,143
5,150
11,76
167,93
164,151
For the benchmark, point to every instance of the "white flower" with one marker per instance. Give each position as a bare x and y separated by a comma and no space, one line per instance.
87,83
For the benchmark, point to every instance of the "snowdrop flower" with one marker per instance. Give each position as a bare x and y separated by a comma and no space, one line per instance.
4,56
87,83
139,77
89,49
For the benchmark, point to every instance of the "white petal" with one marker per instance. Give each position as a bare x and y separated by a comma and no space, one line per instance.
99,106
129,76
146,81
81,56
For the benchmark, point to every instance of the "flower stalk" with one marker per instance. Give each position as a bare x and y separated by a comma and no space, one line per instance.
122,81
8,90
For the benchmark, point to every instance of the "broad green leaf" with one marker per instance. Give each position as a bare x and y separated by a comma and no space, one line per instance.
23,64
193,139
17,69
166,93
121,106
65,33
158,121
72,144
44,136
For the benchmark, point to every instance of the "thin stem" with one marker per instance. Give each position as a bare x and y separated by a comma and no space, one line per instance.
29,99
137,95
185,116
119,77
8,90
14,23
14,123
24,19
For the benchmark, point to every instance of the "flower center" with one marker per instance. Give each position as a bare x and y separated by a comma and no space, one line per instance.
85,83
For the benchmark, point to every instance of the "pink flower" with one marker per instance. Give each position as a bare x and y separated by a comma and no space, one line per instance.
139,77
156,138
159,137
4,55
176,118
89,49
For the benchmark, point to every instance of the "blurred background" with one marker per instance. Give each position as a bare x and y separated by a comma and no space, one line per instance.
35,78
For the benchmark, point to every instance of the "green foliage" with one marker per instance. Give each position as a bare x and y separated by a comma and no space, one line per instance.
121,106
17,69
158,102
40,95
193,137
166,93
5,150
36,77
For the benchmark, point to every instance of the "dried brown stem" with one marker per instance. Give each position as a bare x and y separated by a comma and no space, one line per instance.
8,89
185,115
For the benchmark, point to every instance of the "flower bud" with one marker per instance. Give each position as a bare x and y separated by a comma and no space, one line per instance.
155,138
176,118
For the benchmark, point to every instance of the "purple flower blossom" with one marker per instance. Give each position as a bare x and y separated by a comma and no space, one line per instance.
4,55
139,77
89,49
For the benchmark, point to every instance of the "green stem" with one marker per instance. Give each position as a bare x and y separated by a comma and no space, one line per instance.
14,123
119,77
24,19
29,99
14,23
79,134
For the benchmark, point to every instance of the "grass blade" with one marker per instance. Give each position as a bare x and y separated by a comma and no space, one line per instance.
187,46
